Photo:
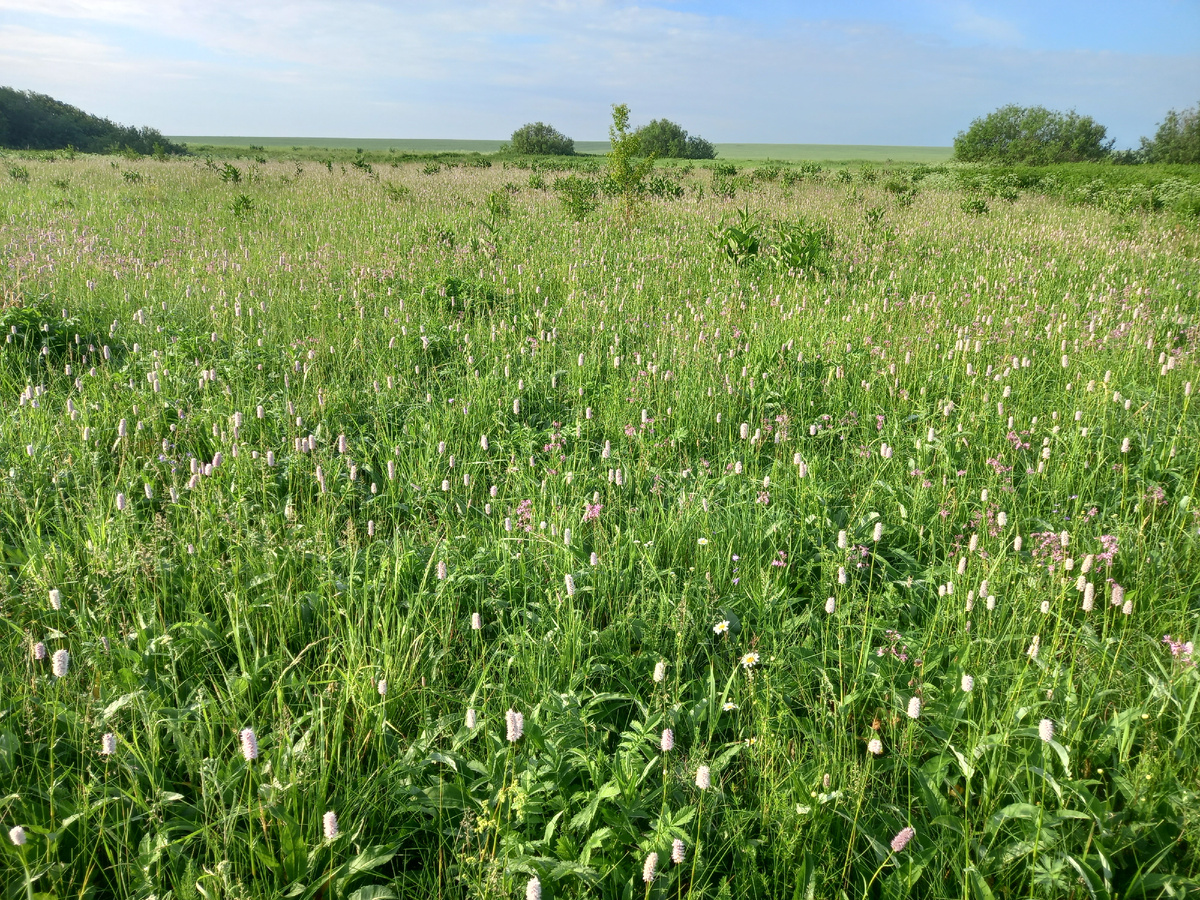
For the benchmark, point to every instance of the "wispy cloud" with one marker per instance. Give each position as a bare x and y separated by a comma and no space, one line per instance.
478,69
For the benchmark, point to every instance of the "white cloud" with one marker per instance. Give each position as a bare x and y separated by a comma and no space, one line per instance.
478,69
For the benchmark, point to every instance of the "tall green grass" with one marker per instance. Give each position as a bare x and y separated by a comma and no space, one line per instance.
272,453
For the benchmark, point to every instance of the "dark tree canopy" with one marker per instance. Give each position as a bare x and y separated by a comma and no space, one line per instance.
540,139
666,140
1034,134
1177,139
30,121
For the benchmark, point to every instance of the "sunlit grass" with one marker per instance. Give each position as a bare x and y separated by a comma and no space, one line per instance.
873,526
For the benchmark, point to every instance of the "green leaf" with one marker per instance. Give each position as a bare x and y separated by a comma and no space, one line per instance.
596,840
1012,811
121,702
1095,885
373,892
979,887
370,858
293,851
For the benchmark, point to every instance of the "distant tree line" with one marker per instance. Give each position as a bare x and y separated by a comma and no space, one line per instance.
1038,136
661,138
31,121
1177,139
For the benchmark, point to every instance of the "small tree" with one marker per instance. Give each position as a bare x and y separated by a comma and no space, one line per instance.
627,168
1177,139
540,139
1015,134
666,140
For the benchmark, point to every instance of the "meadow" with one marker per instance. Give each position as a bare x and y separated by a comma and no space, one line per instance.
291,146
462,531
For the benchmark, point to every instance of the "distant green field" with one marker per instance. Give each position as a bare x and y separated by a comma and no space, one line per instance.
834,152
782,152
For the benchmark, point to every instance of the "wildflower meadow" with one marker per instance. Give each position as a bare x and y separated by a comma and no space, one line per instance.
467,529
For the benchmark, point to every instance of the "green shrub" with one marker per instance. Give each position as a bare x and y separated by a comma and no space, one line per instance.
628,163
666,140
540,139
740,238
242,206
577,195
1032,134
802,247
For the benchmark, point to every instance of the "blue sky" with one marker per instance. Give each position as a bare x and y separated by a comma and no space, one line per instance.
900,72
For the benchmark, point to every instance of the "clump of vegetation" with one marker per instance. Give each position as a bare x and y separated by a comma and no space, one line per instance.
628,163
1034,134
579,196
32,121
797,246
242,206
395,191
813,549
540,139
975,206
667,140
1177,139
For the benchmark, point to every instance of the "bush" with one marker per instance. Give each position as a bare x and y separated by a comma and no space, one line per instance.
666,140
577,195
1177,139
1034,134
628,162
802,247
540,139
